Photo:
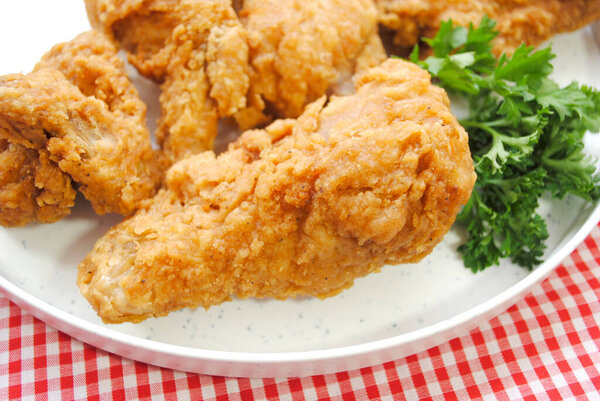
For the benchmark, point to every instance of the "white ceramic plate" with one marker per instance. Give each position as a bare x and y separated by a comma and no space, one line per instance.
402,310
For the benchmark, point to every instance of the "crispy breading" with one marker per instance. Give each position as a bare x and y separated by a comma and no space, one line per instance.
32,188
90,63
107,154
529,21
289,54
300,50
197,49
302,207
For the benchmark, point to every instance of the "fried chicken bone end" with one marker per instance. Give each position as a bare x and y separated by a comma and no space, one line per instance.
302,207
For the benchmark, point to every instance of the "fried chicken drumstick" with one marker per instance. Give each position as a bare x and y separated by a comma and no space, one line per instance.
302,207
532,22
76,117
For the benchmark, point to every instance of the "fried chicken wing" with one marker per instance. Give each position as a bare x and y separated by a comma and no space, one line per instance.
197,49
97,138
32,187
519,21
302,207
300,50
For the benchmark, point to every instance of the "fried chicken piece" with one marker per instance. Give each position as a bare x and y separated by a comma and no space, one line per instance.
90,61
300,50
532,22
32,187
107,154
197,49
28,116
302,207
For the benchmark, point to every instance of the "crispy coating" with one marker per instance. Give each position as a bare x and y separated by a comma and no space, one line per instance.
287,54
31,187
91,63
302,207
107,153
34,187
519,21
197,49
300,50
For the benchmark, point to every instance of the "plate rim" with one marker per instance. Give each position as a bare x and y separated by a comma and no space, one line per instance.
80,326
84,330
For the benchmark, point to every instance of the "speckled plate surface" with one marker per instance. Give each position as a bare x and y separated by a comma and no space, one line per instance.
399,311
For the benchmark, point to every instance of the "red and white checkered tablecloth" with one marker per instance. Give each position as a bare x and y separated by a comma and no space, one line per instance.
545,347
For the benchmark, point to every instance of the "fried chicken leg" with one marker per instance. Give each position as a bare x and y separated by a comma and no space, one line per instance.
300,50
519,21
197,49
97,138
302,207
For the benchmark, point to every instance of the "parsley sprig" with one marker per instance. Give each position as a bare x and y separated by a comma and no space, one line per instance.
526,137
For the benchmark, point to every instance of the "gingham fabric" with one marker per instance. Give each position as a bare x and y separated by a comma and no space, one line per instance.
545,347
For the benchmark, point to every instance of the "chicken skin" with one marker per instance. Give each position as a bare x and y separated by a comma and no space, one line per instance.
302,207
532,22
32,187
197,50
300,50
90,127
90,62
286,55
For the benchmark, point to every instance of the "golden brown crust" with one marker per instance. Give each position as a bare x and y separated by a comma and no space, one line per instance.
90,62
300,50
197,49
302,207
297,50
37,118
32,188
108,155
532,22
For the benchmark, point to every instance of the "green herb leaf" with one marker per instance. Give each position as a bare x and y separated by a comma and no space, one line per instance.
526,138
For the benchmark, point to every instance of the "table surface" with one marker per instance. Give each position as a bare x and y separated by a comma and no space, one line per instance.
546,346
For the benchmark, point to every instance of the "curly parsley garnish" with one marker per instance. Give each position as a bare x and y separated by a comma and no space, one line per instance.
526,138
